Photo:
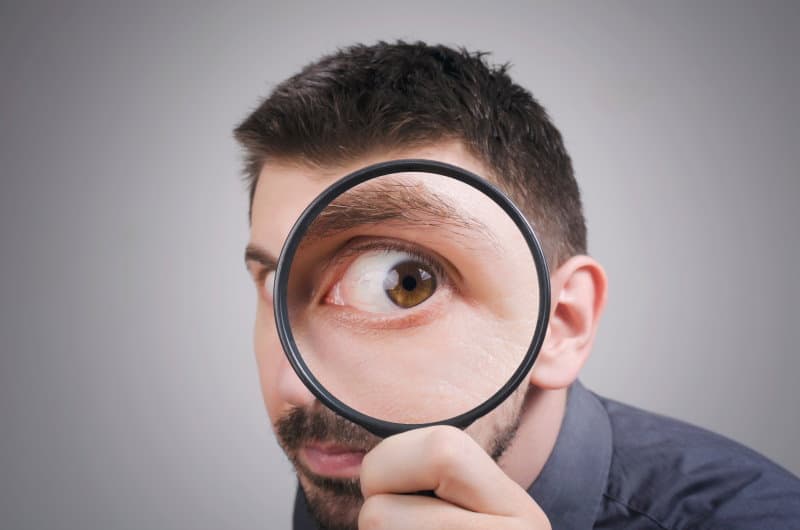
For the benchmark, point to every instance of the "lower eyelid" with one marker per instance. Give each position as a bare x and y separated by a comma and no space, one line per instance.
425,313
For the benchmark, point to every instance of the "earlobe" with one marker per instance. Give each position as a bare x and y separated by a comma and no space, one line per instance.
579,295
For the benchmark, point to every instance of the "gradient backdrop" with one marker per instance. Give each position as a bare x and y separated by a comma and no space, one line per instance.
128,389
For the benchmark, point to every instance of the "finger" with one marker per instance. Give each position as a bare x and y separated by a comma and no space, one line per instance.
447,461
414,512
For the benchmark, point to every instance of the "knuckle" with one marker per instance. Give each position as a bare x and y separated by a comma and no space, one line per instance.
447,450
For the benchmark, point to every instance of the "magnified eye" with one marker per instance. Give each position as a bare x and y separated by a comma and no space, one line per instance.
383,281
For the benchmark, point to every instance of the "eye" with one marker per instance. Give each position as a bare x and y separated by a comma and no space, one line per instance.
267,282
385,281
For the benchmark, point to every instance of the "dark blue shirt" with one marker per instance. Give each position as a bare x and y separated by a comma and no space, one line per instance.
618,467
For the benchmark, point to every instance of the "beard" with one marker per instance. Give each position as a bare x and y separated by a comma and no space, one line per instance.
334,503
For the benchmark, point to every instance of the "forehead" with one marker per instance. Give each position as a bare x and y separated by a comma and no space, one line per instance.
286,186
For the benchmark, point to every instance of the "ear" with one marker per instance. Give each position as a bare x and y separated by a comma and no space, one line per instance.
578,290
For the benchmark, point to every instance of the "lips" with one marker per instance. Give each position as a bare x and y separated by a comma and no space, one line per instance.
332,460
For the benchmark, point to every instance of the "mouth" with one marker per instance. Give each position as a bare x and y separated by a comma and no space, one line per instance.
332,460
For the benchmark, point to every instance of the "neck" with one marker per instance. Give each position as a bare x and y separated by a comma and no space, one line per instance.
542,414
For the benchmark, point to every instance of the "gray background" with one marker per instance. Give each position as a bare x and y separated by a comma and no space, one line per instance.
128,388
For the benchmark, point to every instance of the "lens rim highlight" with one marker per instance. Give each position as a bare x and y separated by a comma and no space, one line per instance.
378,426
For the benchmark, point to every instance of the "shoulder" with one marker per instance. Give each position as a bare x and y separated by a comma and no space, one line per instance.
669,474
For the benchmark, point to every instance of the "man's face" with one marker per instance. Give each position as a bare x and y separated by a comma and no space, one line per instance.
326,449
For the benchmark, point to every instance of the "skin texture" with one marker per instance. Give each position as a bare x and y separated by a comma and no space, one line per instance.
480,474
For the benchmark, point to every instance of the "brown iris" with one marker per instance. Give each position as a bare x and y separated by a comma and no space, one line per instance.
409,283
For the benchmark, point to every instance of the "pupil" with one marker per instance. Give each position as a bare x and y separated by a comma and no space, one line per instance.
409,283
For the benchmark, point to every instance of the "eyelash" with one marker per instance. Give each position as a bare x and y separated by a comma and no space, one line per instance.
398,246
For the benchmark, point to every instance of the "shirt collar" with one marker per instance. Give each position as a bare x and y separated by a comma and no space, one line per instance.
570,487
301,518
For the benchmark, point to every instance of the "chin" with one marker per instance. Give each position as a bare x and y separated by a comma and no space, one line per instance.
334,504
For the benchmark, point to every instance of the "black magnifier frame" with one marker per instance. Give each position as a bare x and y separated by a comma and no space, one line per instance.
377,426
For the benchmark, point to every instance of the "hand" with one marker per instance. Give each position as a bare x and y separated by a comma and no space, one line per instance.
472,492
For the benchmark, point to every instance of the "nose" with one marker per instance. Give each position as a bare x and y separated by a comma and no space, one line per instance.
290,388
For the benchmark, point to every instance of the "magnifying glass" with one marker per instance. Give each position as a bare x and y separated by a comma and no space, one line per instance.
411,293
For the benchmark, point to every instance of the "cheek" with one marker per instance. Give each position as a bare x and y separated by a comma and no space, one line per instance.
486,429
269,356
416,375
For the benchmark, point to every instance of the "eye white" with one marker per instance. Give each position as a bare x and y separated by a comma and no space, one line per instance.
269,283
364,284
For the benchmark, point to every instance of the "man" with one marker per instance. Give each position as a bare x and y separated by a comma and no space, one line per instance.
554,455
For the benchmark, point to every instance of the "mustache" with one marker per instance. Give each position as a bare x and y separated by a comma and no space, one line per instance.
301,426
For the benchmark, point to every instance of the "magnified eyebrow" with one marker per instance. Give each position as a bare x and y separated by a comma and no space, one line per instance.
394,201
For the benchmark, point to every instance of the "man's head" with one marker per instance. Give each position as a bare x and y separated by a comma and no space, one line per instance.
366,104
365,100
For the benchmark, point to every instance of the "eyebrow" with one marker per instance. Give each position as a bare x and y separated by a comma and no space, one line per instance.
396,201
379,202
260,255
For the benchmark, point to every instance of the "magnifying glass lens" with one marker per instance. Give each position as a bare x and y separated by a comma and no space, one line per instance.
413,297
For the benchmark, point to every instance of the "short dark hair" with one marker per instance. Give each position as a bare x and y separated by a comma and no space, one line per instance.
393,95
